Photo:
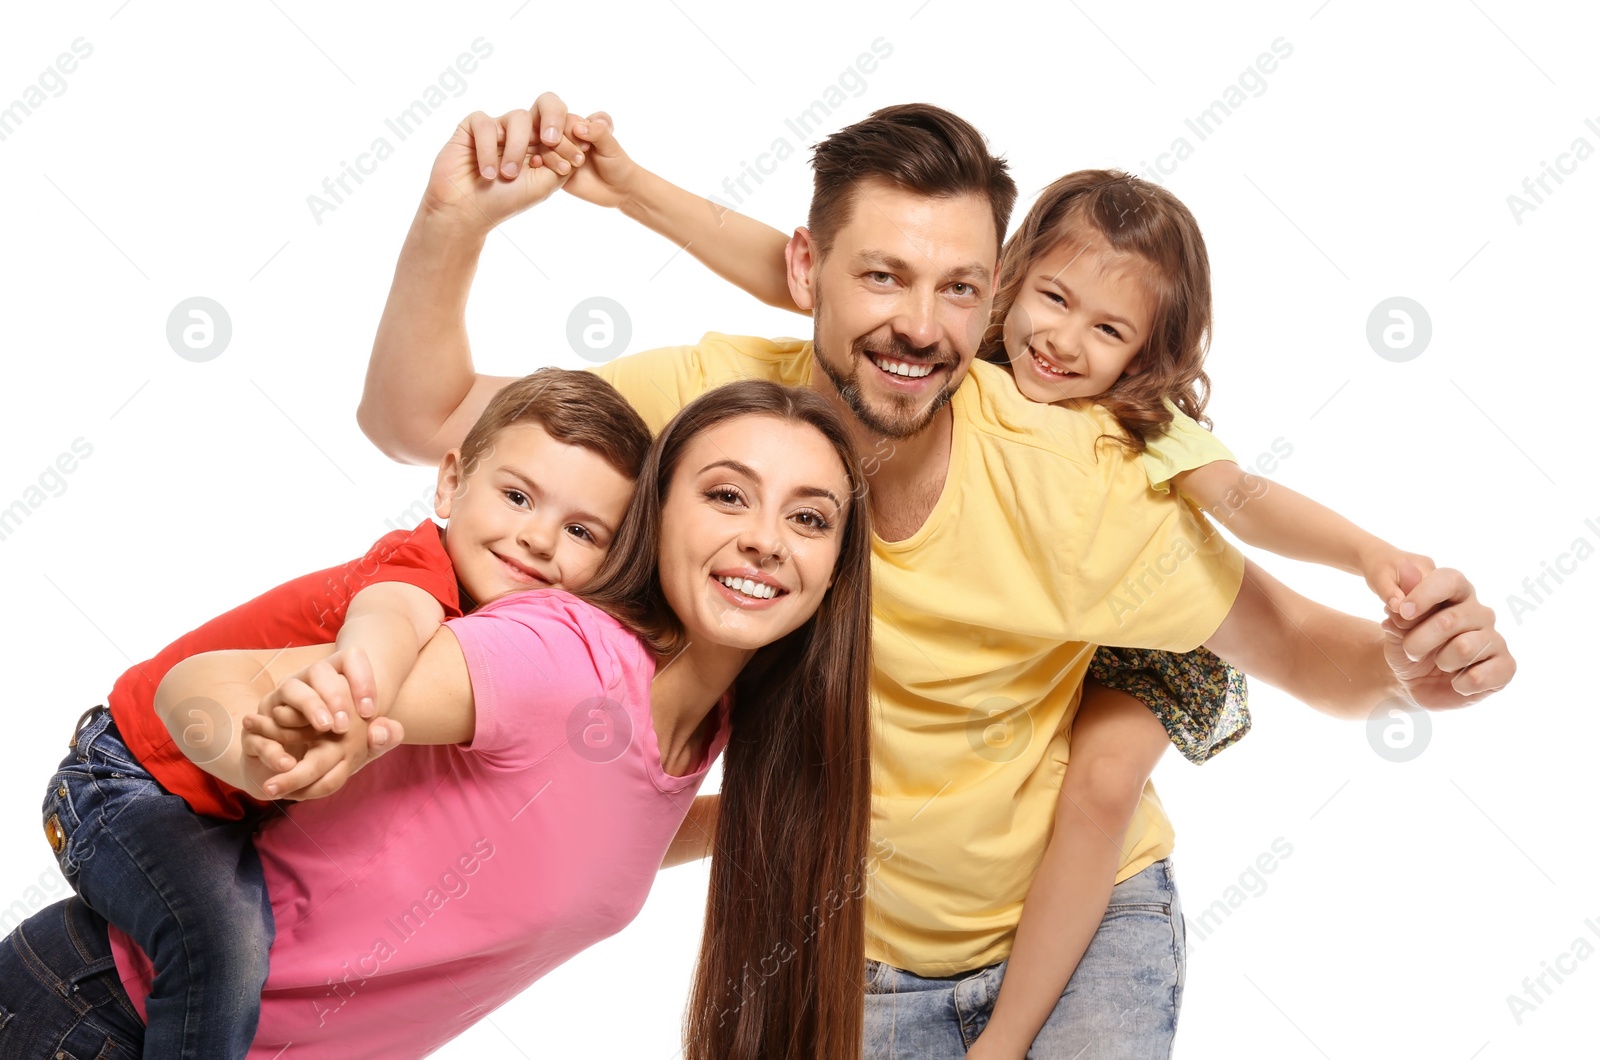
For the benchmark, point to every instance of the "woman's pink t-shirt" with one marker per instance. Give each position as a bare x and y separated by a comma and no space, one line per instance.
442,881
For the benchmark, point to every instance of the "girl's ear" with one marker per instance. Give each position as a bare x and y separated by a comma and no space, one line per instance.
1136,365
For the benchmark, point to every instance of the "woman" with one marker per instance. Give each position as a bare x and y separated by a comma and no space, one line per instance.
562,740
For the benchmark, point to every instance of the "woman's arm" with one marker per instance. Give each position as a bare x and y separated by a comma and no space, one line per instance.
1290,524
697,833
1115,744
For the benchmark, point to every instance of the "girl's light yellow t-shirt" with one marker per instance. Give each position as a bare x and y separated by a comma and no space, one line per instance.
1038,550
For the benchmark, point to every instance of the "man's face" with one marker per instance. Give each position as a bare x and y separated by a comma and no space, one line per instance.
900,302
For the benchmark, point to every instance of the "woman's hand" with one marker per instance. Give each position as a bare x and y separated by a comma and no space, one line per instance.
1441,642
494,168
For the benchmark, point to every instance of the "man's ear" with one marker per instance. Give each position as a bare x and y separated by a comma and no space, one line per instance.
801,258
450,477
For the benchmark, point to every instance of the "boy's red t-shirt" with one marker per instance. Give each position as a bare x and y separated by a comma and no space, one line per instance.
307,610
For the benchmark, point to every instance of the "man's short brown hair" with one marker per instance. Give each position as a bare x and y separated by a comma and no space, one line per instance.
915,146
576,408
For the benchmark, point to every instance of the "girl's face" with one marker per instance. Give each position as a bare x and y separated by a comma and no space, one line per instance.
1077,323
751,529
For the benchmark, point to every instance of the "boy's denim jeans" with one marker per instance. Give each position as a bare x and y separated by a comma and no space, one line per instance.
187,888
1121,1003
59,992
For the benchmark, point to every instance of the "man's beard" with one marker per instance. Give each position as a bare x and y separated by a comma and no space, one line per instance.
897,416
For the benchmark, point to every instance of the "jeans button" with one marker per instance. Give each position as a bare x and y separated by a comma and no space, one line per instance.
61,792
53,832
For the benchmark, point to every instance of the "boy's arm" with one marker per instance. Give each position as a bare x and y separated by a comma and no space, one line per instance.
1115,744
740,249
1278,519
696,834
389,622
205,699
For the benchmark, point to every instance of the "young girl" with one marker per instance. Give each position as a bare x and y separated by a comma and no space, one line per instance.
1103,296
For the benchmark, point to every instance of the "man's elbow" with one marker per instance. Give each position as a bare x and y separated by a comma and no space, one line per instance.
380,431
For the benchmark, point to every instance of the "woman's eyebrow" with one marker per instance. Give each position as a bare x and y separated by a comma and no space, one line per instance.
750,472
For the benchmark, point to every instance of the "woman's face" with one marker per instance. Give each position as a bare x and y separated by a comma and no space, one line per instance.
751,529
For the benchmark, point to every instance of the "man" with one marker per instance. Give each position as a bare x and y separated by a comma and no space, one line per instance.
1002,538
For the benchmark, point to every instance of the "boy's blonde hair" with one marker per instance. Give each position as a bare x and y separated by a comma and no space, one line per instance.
1132,218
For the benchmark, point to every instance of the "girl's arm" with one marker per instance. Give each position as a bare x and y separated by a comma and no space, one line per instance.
740,249
1115,744
1278,519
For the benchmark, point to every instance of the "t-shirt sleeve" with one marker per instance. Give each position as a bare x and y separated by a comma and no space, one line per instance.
1153,573
415,557
1183,446
657,383
534,658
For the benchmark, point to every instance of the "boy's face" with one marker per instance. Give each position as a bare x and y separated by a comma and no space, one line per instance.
534,513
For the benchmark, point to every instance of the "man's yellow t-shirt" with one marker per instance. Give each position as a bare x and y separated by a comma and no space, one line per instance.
984,622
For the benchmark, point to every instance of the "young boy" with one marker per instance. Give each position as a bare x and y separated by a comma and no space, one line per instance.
162,849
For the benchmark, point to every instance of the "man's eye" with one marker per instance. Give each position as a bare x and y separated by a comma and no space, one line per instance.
966,289
879,277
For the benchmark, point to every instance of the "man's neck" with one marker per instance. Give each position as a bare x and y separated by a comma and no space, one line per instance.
905,476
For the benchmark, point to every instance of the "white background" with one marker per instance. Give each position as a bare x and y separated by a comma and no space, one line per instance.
1376,162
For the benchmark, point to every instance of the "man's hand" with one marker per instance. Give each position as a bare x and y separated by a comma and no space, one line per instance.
494,168
1441,641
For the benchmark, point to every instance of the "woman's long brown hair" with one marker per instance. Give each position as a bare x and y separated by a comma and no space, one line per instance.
782,954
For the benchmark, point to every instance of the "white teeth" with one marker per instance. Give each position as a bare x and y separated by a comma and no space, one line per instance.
1052,369
901,368
749,588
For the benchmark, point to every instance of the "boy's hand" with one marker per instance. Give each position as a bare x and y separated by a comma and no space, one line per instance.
608,176
325,694
494,168
295,763
1382,567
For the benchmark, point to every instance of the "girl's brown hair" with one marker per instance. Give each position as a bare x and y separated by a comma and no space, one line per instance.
1137,219
781,962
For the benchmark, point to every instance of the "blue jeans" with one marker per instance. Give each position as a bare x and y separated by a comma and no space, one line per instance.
59,992
1121,1003
187,888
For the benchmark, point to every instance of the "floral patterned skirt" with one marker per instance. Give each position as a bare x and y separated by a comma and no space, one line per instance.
1201,700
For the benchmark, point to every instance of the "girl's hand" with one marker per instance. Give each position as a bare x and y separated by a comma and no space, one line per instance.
494,168
1381,567
608,176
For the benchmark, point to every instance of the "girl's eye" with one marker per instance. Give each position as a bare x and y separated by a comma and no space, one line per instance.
1054,297
516,496
726,494
1113,332
581,531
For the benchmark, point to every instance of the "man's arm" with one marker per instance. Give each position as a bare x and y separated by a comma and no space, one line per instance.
1449,654
422,393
